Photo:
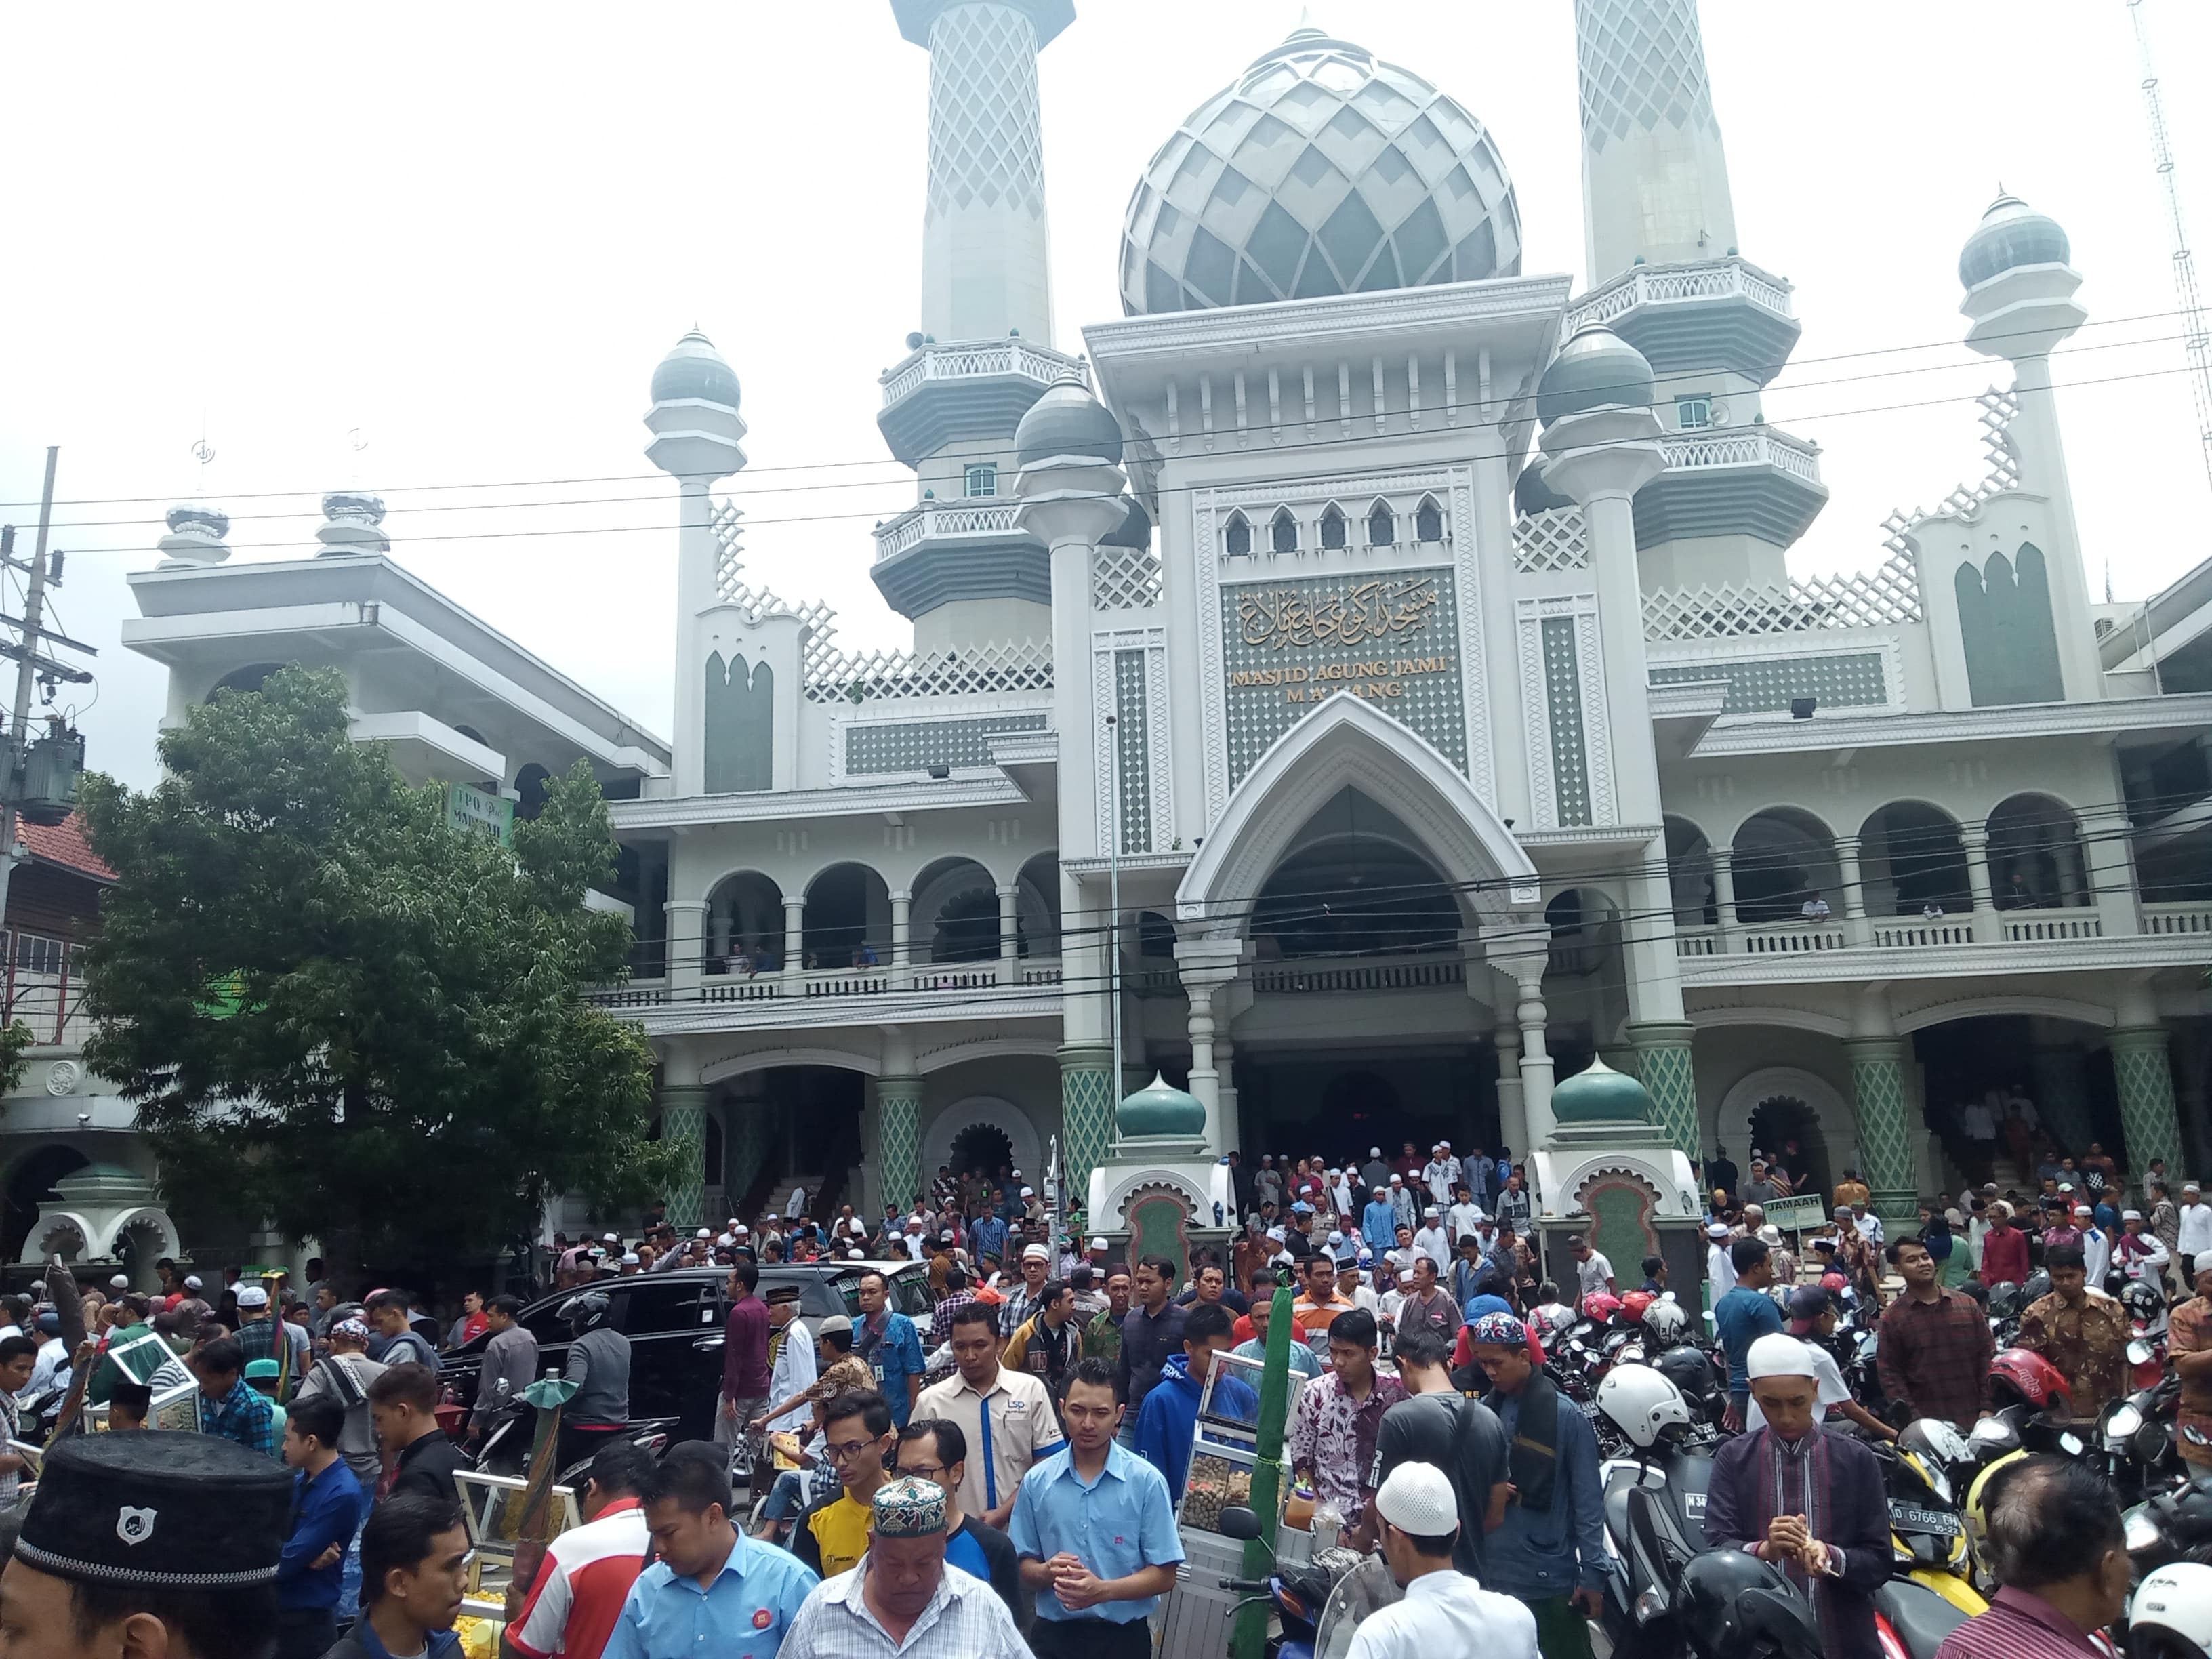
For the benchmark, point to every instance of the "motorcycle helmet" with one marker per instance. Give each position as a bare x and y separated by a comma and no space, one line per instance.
1931,1449
1835,1284
1993,1438
1690,1370
2038,1287
1734,1606
2171,1617
584,1311
2143,1302
1600,1305
1636,1304
2019,1376
1641,1403
2005,1300
1666,1320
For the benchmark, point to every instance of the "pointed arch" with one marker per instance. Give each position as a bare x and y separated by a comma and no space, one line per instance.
1428,520
1332,526
1348,742
1237,537
1382,525
1283,532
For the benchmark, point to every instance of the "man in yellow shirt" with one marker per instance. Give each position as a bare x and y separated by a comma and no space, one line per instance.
832,1536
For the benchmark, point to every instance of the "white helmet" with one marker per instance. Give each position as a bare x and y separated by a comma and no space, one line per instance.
2171,1617
1666,1320
1641,1403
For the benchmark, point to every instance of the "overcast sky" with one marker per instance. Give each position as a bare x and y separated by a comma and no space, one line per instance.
405,246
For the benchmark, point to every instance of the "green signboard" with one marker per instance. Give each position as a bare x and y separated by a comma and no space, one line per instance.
471,809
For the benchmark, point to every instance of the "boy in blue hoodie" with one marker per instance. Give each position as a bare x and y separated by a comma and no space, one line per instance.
1170,1417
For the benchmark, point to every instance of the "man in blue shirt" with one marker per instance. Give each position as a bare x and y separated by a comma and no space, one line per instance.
1095,1532
712,1590
1378,1222
887,1344
1170,1417
986,1236
327,1508
1742,1317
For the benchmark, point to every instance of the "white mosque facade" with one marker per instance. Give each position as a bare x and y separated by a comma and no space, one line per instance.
1365,680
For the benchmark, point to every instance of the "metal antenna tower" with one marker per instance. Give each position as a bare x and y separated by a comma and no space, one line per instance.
2195,341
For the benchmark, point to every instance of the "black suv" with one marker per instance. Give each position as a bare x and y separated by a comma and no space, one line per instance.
675,1321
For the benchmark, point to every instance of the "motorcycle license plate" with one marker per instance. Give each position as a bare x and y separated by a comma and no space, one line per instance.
1911,1517
1693,1505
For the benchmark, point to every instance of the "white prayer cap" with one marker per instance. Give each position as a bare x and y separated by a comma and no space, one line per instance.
1029,1192
1719,1230
1777,1355
1417,1497
1099,1244
1374,1151
629,1258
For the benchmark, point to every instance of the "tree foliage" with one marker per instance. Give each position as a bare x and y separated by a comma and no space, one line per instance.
335,1009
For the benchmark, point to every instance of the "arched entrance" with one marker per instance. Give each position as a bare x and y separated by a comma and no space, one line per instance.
981,1147
1776,1104
980,1121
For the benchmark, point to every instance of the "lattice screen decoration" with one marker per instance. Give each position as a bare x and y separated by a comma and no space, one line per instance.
1125,578
862,677
1132,739
1555,539
1882,597
1765,685
984,144
1563,706
1999,407
875,747
732,588
1642,62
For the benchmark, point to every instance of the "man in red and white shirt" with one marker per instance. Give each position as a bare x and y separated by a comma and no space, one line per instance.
587,1573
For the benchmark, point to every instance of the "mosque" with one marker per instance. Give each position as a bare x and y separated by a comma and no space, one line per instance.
1364,683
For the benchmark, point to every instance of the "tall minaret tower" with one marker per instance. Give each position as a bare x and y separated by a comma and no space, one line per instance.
957,563
1665,274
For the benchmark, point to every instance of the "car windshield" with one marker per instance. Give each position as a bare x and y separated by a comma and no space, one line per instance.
910,1292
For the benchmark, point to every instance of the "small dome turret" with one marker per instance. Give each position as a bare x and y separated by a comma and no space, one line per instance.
1595,369
1067,421
1161,1109
694,369
2011,234
1135,529
1532,495
1599,1094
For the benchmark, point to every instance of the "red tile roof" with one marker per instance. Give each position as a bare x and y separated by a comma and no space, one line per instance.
64,845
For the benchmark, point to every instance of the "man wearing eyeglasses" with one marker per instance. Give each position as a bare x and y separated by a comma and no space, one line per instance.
858,1437
933,1449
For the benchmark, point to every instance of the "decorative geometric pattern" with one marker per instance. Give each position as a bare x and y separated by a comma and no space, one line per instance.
1555,539
1563,704
1125,579
1885,1137
1620,1208
745,1147
1882,597
1321,171
1642,62
683,1125
984,144
898,1130
1131,744
866,675
1086,1115
874,747
2149,1117
1765,685
1662,1065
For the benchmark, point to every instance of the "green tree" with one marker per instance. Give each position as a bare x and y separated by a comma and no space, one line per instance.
336,1010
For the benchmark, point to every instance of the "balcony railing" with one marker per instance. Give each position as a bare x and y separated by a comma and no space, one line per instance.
926,520
44,989
920,979
1802,938
970,360
2177,918
1664,284
1403,974
1705,451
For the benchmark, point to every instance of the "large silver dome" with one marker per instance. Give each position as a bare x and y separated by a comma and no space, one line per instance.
1323,170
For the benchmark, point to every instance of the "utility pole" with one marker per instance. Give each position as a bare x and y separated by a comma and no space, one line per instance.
2196,339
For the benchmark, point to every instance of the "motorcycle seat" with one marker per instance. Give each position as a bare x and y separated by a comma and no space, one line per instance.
1921,1617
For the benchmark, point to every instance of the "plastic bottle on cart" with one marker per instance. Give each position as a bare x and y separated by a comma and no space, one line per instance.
1299,1510
1328,1525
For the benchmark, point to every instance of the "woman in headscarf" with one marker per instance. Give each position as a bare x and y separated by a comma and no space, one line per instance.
1948,1250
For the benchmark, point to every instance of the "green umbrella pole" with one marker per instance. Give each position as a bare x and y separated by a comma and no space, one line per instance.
1248,1639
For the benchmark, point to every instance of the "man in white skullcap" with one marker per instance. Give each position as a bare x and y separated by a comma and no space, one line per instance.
1445,1611
1808,1499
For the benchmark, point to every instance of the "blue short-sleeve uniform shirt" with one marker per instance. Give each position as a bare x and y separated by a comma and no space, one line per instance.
743,1615
1122,1521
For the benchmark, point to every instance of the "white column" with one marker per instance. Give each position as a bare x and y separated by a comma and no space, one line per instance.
686,928
1988,926
1512,1111
1010,944
1228,1131
1724,895
901,938
794,935
1857,929
1528,973
1204,1081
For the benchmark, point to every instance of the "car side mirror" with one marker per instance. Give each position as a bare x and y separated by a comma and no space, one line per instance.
1239,1522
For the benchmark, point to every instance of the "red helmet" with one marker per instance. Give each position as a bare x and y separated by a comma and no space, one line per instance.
1834,1282
2022,1376
1635,1303
1600,1304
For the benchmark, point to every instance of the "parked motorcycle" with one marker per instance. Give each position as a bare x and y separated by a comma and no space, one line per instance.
1926,1474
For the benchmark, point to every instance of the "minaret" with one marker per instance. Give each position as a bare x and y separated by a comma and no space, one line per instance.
956,563
1665,276
1655,182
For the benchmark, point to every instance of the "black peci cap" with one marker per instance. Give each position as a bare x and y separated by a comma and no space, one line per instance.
158,1510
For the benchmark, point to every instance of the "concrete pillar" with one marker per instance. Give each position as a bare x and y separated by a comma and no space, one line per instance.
901,938
1987,926
1663,1066
1724,895
1225,1062
684,1128
1856,930
1205,1081
1512,1112
1087,1100
745,1149
2149,1117
687,920
1528,973
898,1145
1010,944
794,936
1885,1136
2060,1092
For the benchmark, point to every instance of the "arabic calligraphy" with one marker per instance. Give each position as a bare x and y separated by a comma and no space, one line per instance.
1278,618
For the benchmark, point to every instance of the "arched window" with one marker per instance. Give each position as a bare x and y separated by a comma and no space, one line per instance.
1283,532
1429,520
1382,525
1332,526
1238,540
983,479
